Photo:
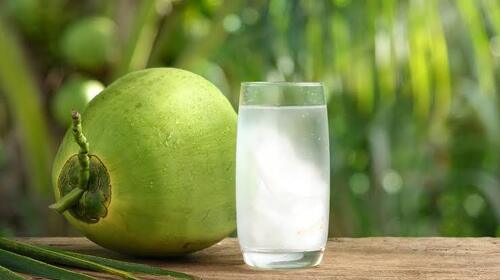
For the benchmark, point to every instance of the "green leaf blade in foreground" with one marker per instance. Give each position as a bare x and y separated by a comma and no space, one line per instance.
54,257
28,265
128,266
6,274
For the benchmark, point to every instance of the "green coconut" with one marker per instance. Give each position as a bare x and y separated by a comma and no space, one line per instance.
74,94
151,172
27,14
90,43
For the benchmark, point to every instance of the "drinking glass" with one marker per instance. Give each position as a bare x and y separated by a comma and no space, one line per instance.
282,174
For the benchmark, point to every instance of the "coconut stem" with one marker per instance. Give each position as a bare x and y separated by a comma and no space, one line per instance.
83,154
74,195
68,200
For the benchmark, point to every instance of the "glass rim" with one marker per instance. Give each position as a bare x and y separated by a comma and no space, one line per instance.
282,83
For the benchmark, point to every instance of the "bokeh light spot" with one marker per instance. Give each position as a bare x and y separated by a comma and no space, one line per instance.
392,182
359,183
232,23
473,204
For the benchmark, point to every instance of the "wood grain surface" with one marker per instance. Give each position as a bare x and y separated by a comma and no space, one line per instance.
345,258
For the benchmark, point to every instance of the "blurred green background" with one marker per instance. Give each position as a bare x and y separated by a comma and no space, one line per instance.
412,95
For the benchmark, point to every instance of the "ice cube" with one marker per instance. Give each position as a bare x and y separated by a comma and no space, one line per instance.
281,170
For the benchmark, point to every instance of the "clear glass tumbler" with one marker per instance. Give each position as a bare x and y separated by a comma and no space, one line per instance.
282,174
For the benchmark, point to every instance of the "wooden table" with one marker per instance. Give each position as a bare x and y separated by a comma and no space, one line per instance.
345,258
